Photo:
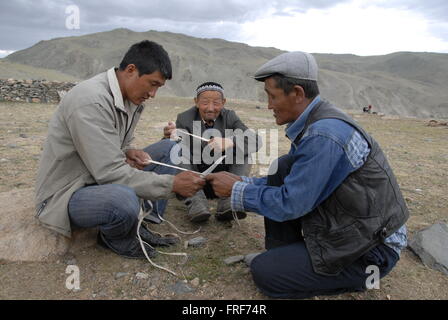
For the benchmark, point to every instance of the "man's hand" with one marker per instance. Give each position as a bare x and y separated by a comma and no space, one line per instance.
187,183
222,183
169,129
220,144
137,158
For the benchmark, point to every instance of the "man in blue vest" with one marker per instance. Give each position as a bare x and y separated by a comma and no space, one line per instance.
333,209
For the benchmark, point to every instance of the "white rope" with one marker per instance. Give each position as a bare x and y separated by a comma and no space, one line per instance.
235,217
142,215
175,228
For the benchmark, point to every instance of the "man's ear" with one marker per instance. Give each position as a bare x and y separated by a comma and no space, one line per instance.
299,94
223,101
130,69
196,102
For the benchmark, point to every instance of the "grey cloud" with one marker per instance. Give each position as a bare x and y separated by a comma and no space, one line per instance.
436,11
25,22
432,9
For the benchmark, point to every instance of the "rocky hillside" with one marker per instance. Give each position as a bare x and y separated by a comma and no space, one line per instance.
405,84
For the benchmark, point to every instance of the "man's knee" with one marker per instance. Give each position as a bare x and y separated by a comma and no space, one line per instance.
262,273
166,145
123,203
162,147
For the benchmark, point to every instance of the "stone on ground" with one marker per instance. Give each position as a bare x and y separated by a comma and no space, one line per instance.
431,245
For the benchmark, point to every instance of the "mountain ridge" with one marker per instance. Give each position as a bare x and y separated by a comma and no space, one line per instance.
401,83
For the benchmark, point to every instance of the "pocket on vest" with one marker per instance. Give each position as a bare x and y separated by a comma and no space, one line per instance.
341,238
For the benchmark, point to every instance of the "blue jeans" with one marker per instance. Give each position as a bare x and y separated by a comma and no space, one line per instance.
115,208
160,151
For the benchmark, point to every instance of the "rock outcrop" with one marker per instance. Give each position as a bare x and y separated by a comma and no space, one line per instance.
22,238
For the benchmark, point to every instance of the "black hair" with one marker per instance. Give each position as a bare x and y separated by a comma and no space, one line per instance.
148,57
310,87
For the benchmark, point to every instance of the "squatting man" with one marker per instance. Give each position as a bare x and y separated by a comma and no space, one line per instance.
333,208
90,174
222,133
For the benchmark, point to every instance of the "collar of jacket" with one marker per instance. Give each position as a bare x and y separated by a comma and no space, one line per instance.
294,128
198,116
116,92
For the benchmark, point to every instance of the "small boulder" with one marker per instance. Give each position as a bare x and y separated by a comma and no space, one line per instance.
197,242
22,238
249,257
233,260
431,245
181,287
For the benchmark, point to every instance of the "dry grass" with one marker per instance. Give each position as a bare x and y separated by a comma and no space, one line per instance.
416,152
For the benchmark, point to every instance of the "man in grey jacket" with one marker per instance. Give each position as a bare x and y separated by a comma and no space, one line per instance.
90,174
224,133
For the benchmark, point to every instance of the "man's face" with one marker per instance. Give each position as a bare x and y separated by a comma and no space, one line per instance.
283,105
210,104
140,88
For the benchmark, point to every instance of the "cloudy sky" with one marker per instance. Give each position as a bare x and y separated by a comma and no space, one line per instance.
362,27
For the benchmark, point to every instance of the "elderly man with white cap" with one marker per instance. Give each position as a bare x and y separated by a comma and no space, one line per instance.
209,118
334,213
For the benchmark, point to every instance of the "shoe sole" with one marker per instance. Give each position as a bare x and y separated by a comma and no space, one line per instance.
200,217
228,216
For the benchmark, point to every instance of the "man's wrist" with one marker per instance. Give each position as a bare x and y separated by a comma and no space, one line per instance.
248,180
237,196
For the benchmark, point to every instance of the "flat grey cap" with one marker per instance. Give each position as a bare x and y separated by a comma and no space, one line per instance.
297,64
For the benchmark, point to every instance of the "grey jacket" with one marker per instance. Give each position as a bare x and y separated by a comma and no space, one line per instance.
86,143
245,144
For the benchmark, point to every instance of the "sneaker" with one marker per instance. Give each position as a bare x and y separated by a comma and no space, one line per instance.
197,208
224,211
133,252
156,240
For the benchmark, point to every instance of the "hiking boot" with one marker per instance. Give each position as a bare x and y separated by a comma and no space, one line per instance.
224,211
133,252
156,240
197,207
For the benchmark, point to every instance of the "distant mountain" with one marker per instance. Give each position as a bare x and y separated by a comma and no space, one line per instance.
404,83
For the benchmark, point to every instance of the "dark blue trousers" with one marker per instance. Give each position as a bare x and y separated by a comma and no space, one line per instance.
285,269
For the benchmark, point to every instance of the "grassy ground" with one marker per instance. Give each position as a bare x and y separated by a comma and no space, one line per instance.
416,152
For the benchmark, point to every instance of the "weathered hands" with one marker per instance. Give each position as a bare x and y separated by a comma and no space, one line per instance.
187,183
137,158
220,144
222,183
169,130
